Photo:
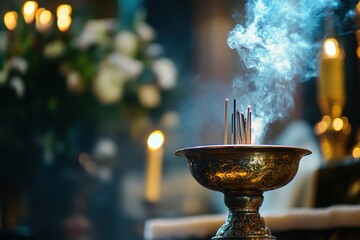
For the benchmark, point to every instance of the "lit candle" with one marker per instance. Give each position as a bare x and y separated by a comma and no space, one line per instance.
28,10
63,13
63,23
44,19
63,10
154,166
331,78
10,20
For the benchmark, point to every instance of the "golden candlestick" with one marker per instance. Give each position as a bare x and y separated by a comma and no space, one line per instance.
356,19
334,129
331,92
243,173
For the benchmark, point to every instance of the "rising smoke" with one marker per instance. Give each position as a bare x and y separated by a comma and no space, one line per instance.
277,45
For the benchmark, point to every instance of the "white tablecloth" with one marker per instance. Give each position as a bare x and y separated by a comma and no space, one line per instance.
293,219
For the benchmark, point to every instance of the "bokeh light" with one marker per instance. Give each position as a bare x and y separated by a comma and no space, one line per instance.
331,48
155,140
338,124
10,20
63,10
29,9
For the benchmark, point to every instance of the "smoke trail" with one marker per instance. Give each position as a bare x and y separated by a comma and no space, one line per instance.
277,46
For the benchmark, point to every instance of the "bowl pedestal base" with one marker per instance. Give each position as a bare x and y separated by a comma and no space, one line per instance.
243,221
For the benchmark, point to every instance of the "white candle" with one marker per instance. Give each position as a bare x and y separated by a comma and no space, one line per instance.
155,153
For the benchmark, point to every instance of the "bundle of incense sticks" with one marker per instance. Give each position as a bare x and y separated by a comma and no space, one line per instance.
240,126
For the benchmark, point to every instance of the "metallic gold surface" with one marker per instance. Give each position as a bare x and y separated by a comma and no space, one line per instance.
333,130
243,173
333,134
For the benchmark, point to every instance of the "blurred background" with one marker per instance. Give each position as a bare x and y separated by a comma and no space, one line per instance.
84,83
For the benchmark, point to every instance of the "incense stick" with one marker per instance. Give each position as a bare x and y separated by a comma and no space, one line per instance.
232,128
243,130
248,127
239,126
234,121
226,121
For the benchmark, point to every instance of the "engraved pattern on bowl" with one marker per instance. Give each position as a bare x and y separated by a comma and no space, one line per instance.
243,167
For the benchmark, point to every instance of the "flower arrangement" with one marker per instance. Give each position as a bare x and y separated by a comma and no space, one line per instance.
124,69
71,101
129,56
52,81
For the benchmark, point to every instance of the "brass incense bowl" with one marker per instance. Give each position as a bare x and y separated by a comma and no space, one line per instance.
243,173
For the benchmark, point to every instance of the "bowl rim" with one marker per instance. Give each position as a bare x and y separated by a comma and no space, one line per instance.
183,152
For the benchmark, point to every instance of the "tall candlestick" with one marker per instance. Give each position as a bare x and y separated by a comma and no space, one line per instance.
331,93
333,130
154,166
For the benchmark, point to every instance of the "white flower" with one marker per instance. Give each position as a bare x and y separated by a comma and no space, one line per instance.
18,85
126,43
105,148
104,173
95,33
131,67
154,50
170,119
146,32
108,84
74,82
54,49
18,63
149,96
166,73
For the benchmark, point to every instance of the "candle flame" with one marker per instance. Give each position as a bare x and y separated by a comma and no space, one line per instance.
29,8
338,124
64,23
63,13
356,152
155,140
10,20
63,10
44,19
331,48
